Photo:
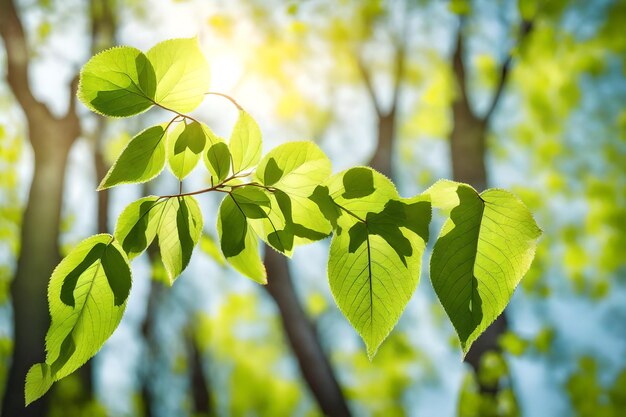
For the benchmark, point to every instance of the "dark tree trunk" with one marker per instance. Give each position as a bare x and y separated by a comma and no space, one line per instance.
148,333
303,339
101,170
200,388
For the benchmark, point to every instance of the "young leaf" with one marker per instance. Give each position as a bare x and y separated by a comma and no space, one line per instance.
182,74
137,225
38,382
484,249
245,143
179,229
238,241
273,227
217,157
296,169
118,82
87,297
263,214
185,145
375,256
141,160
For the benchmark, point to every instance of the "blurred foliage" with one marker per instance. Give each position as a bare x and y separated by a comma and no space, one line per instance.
590,396
380,386
10,210
249,343
493,373
68,400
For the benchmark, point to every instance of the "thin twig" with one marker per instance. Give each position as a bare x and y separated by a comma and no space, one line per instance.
229,98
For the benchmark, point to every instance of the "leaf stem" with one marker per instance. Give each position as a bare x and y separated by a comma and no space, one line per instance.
184,116
219,187
227,97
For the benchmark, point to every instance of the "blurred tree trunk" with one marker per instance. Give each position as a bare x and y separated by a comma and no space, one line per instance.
382,159
51,139
200,385
148,332
302,337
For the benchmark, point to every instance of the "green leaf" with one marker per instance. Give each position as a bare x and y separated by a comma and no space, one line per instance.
217,158
238,241
296,169
141,160
375,255
182,74
484,249
273,227
176,221
185,146
361,190
87,297
38,382
137,225
118,82
263,214
245,143
252,201
179,229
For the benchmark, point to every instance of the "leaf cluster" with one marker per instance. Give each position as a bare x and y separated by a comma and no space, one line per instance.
286,198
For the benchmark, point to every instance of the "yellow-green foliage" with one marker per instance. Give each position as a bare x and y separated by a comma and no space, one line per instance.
379,386
250,344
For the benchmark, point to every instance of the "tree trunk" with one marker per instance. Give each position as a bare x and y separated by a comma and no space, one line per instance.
148,331
303,339
39,254
200,388
103,195
382,159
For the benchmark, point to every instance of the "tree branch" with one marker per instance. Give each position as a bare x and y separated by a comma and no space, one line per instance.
525,29
400,61
367,79
16,47
458,67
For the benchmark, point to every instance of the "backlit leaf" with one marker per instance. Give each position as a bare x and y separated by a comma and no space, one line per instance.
137,225
185,145
141,160
179,230
182,74
118,82
87,297
245,143
296,169
238,241
484,249
375,255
